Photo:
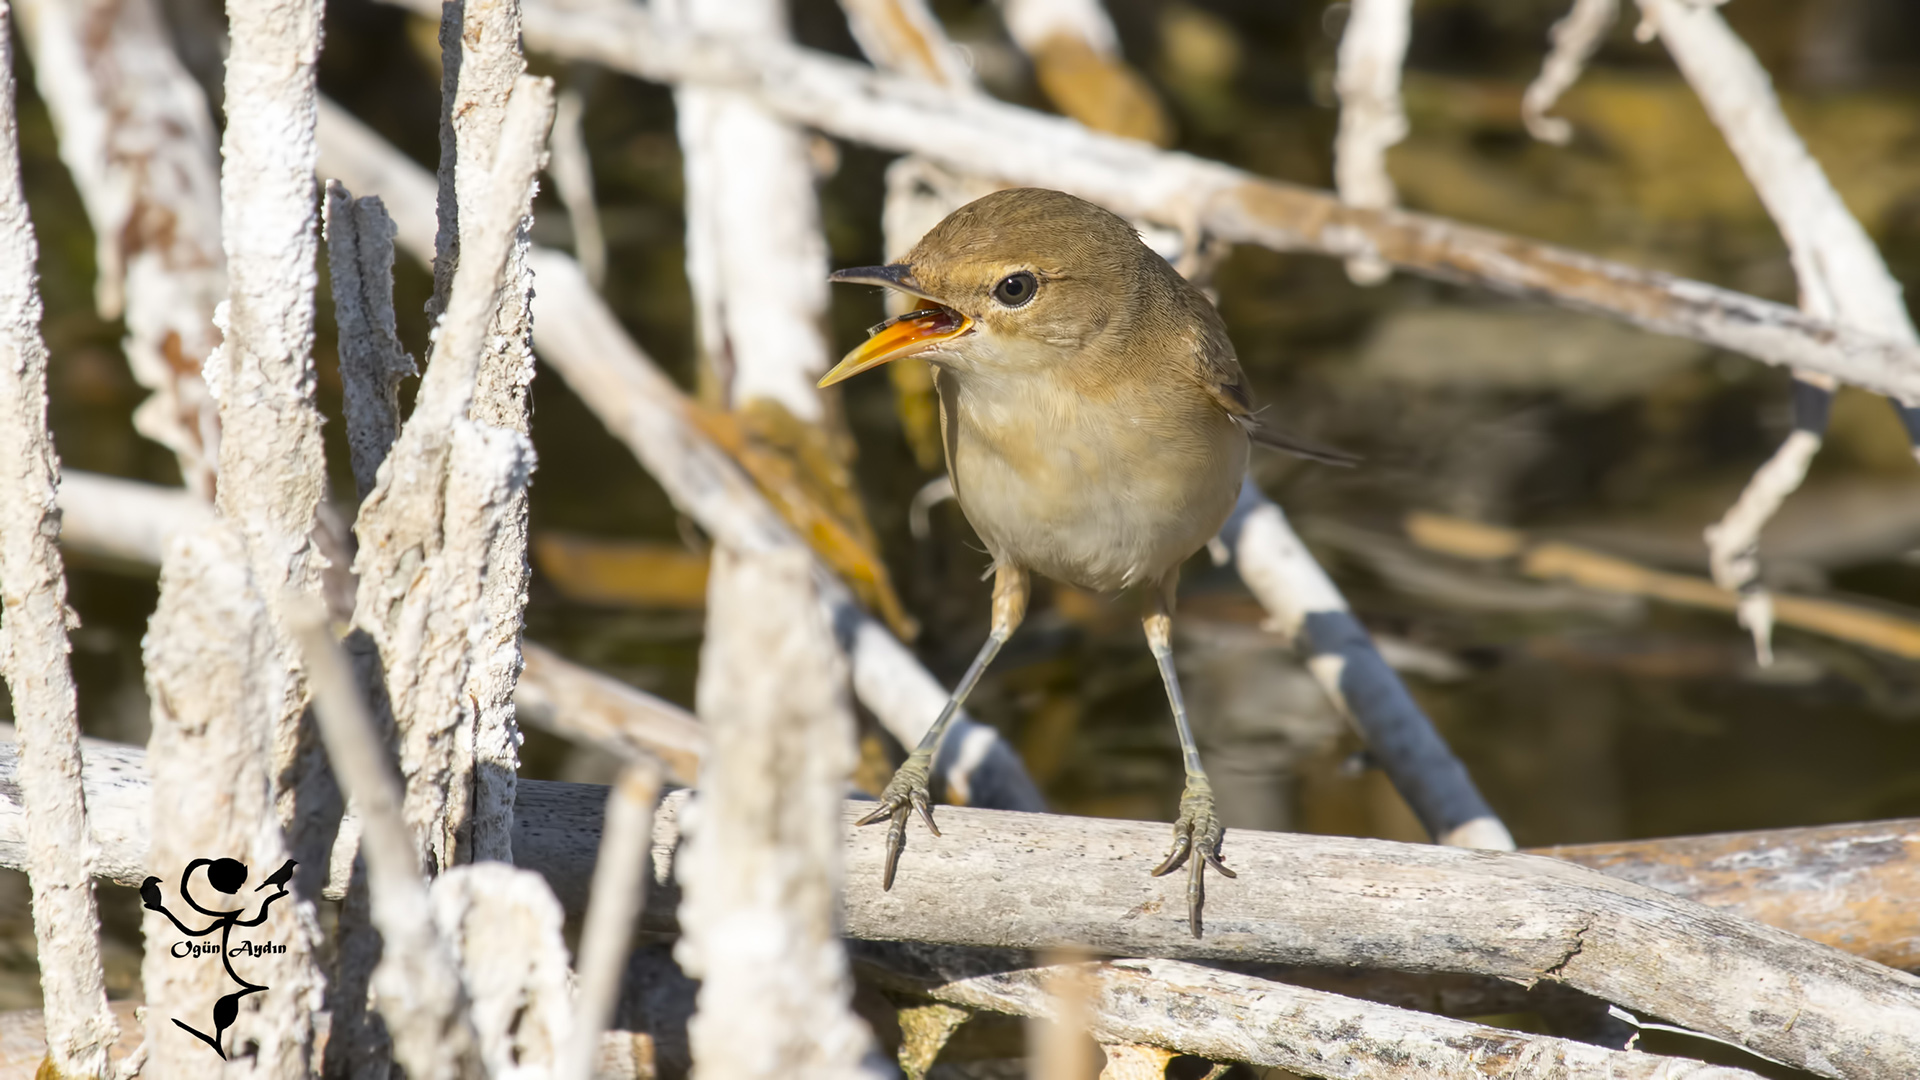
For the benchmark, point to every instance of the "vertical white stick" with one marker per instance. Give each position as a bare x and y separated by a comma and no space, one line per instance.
272,464
137,137
447,490
33,653
480,42
756,258
762,868
1372,49
620,881
213,671
572,170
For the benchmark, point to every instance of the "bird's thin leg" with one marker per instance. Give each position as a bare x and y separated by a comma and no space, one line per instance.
1198,834
909,789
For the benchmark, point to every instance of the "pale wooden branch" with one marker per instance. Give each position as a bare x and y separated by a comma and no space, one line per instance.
1025,881
1372,49
1576,37
572,172
33,652
373,363
127,519
1845,885
447,490
619,895
214,670
1841,275
1225,1016
420,992
760,872
272,460
897,113
481,61
1306,607
1555,560
137,137
583,341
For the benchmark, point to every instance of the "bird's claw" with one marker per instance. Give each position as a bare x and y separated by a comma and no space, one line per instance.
906,793
1197,830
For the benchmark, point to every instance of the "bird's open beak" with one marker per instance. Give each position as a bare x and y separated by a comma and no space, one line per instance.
904,335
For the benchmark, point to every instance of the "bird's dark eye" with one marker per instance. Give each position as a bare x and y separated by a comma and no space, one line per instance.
1015,290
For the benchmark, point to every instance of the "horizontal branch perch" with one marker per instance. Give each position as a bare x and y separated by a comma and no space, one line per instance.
1033,880
979,135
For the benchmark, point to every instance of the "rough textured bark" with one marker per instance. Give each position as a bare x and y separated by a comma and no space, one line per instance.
504,926
481,59
1372,49
373,363
1320,902
1226,1016
428,529
33,651
137,137
214,669
1307,608
760,875
272,462
581,339
420,991
896,113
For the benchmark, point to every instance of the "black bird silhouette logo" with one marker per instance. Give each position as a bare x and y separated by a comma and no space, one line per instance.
227,876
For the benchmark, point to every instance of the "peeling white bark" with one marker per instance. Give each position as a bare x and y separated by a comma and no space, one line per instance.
213,672
761,872
1305,606
620,880
756,259
33,647
373,363
582,340
419,986
137,137
1576,38
427,532
481,39
893,112
1841,274
1372,50
272,462
504,925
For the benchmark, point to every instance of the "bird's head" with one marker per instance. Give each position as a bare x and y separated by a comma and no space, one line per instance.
1018,279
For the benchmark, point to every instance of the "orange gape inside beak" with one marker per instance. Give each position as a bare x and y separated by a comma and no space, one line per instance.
903,335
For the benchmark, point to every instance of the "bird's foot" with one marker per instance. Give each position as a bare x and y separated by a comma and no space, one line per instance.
906,792
1197,837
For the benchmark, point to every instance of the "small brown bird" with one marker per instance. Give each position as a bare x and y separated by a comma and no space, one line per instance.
1096,424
